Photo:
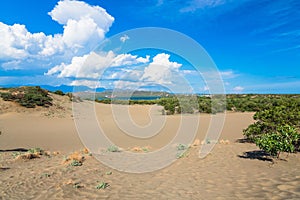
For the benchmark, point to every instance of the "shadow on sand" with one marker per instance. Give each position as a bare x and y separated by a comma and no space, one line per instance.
243,140
257,154
16,149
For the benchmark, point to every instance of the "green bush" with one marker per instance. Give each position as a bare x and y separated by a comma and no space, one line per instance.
59,92
285,139
276,127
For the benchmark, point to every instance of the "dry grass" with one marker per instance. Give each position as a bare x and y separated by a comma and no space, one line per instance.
224,142
75,157
85,151
138,149
28,156
196,143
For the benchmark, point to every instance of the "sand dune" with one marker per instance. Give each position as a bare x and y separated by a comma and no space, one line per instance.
226,173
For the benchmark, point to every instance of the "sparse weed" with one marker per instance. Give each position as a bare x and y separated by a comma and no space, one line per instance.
102,185
75,163
108,173
36,151
181,147
182,150
113,149
45,175
180,155
77,185
16,154
145,149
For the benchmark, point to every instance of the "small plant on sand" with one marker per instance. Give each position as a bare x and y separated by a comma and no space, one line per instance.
182,150
108,173
45,175
77,185
145,149
16,154
113,148
75,163
180,155
181,147
36,150
102,185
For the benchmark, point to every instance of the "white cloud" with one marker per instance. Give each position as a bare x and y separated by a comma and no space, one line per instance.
66,10
124,70
124,38
238,89
88,66
161,70
17,43
93,65
84,27
128,59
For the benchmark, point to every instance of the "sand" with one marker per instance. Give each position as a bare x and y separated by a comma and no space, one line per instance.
228,172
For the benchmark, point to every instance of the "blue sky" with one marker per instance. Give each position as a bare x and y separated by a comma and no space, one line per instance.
254,44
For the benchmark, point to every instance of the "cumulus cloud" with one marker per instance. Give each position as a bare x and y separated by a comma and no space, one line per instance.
123,70
84,27
18,43
83,24
93,65
161,69
88,66
68,10
128,59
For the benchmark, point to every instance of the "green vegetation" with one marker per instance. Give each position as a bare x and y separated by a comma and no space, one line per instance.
176,104
45,175
181,147
36,150
277,125
75,163
285,139
102,185
59,92
113,149
182,150
109,173
28,97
